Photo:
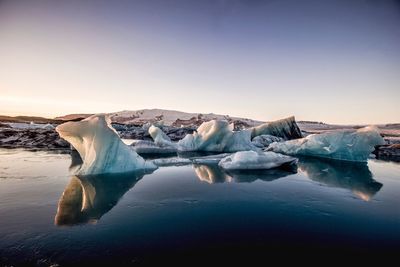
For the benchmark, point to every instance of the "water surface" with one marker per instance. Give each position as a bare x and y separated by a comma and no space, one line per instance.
50,217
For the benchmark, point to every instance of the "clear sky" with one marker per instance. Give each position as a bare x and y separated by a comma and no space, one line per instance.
332,61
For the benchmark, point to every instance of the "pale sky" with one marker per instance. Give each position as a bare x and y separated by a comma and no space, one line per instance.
331,61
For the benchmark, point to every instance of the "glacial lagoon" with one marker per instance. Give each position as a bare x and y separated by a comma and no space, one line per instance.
49,217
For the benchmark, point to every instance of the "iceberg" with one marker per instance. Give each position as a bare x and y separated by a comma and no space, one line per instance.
162,143
174,161
251,160
149,147
285,128
216,136
211,159
340,145
159,137
264,140
100,148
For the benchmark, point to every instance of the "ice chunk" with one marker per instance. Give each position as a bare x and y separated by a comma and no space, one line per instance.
159,137
216,136
101,149
175,161
251,160
149,147
265,140
211,159
341,145
285,128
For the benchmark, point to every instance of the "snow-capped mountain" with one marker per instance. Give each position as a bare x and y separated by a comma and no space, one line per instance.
166,117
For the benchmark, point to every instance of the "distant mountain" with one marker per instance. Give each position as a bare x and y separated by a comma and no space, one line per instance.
28,119
165,117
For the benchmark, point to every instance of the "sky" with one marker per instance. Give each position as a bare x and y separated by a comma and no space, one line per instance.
320,60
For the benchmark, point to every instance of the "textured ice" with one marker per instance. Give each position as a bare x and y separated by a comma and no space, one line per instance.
216,136
159,137
341,145
265,140
149,147
211,159
251,160
175,161
286,128
101,149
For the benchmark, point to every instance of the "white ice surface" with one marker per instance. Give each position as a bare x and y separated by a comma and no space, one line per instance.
216,136
100,147
342,145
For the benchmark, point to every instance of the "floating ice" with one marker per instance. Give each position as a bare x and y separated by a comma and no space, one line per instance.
286,128
265,140
149,147
159,137
175,161
101,149
341,145
251,160
216,136
211,159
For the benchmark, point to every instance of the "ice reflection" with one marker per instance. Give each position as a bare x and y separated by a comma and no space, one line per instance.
348,175
86,199
213,174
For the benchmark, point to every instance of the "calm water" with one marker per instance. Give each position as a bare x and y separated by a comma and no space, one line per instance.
48,217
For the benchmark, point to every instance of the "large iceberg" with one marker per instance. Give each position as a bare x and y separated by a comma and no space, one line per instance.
285,128
217,136
101,149
340,145
251,160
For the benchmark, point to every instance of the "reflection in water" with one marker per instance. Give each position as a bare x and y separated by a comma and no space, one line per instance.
349,175
214,174
87,198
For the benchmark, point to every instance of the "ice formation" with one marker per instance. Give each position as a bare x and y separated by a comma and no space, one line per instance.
265,140
251,160
216,136
341,145
174,161
285,128
101,149
211,159
149,147
159,137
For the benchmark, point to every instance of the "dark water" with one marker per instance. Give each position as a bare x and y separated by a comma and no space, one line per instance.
193,214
